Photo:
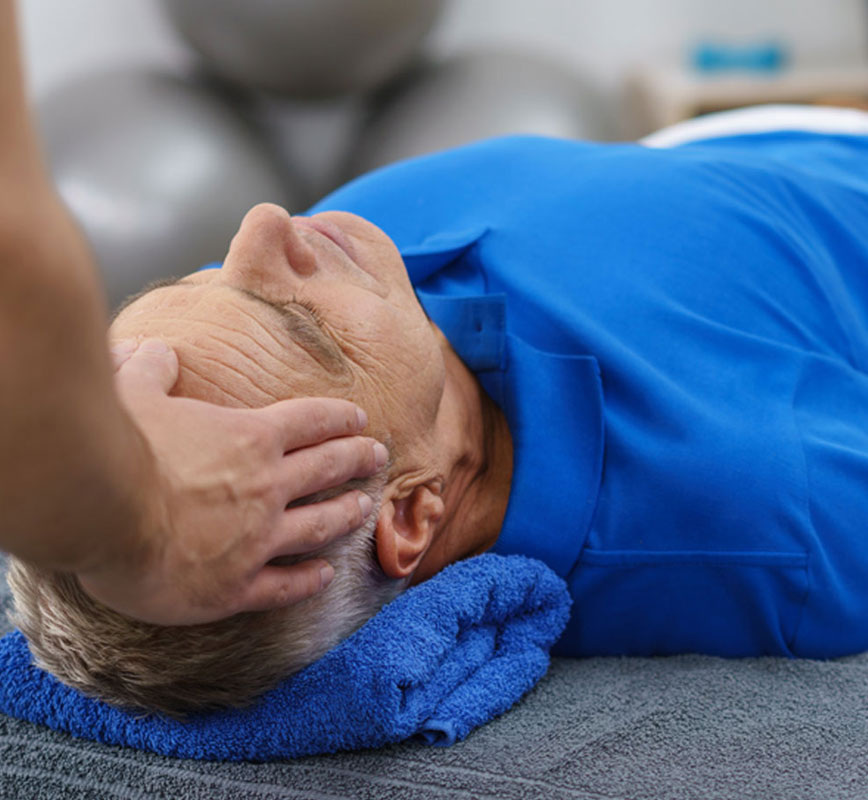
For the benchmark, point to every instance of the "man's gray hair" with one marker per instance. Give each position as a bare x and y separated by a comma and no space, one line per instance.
176,670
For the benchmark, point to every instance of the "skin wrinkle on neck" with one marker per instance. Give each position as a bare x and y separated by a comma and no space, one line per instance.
477,488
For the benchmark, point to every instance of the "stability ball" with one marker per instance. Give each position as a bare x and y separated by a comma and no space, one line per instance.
157,169
473,96
305,48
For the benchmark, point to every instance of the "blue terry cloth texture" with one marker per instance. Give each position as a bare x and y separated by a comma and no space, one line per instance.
440,660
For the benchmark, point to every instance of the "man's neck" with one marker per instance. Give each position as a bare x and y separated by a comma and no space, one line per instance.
477,446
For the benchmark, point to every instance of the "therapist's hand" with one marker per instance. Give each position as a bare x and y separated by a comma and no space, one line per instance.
216,510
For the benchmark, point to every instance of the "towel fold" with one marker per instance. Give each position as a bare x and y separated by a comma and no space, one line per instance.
440,660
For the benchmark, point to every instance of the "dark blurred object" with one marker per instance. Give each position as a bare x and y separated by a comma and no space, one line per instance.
311,138
157,169
305,48
476,95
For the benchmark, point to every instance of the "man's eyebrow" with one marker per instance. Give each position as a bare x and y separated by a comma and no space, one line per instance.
302,326
305,329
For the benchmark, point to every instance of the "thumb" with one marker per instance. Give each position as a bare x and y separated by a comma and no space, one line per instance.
153,366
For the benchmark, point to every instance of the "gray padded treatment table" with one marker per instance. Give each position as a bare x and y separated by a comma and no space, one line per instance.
597,729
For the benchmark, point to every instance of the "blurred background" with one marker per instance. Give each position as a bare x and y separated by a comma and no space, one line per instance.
164,120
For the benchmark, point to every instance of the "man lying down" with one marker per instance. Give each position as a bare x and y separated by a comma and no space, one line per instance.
648,368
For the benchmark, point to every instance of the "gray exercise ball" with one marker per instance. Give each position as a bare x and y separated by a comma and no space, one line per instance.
157,169
474,96
305,48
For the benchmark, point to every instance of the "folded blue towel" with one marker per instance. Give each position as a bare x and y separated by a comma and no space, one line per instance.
438,661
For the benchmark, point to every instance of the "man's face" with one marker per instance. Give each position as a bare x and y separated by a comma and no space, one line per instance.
319,306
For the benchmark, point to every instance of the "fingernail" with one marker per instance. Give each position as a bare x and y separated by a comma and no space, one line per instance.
124,347
381,455
362,417
154,346
366,504
326,573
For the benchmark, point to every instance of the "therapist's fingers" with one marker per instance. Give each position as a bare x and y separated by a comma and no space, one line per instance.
121,351
330,464
309,420
277,586
150,367
304,529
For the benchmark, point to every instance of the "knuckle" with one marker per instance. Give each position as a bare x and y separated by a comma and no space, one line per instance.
283,594
323,526
259,493
365,456
253,438
297,585
351,420
298,532
305,468
358,450
319,535
329,465
319,422
370,462
312,532
270,491
353,512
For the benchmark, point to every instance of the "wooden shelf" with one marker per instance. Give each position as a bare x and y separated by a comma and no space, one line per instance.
657,97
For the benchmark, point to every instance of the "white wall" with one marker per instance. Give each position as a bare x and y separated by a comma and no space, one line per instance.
607,37
66,37
602,37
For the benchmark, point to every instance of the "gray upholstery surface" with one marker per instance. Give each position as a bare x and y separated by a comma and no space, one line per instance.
614,729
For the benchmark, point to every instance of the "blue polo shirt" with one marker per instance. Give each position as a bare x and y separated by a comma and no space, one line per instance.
679,342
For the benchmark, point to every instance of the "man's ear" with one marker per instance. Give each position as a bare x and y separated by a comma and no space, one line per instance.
405,529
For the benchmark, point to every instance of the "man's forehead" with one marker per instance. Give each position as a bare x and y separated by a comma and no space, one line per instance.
167,301
192,280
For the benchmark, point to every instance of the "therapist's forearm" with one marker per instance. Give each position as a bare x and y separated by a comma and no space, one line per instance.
21,164
72,466
71,462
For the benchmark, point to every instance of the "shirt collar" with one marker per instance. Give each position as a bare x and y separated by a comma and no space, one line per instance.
553,404
475,326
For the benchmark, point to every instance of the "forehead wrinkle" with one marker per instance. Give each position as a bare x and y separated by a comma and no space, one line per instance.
235,348
241,374
189,370
209,327
259,324
232,346
160,283
213,333
307,333
298,324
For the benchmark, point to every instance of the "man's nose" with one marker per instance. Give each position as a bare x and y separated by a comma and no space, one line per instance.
267,249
